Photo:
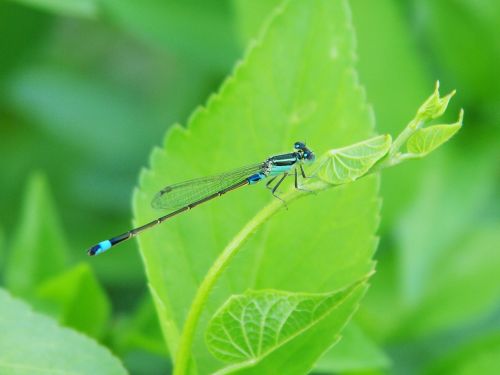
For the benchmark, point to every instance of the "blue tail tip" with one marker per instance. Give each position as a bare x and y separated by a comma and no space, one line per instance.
93,250
101,247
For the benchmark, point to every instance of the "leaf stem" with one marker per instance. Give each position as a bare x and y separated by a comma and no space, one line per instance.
186,341
394,156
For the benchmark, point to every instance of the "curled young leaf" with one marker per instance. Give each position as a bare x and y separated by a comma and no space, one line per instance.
426,140
434,106
347,164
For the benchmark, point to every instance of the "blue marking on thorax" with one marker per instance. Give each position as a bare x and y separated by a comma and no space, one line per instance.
256,178
103,246
278,169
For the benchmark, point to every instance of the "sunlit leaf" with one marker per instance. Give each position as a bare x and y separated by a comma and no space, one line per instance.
427,139
250,326
31,343
293,356
349,163
434,106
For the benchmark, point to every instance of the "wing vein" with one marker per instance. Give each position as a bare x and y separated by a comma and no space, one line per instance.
183,193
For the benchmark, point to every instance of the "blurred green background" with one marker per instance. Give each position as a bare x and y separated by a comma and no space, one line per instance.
88,87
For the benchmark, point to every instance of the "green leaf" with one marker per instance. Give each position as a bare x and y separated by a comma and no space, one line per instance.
347,164
481,356
354,352
77,300
250,326
426,140
423,141
299,356
74,8
289,87
434,106
38,249
32,343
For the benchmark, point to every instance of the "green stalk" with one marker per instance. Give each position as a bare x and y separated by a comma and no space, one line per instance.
186,342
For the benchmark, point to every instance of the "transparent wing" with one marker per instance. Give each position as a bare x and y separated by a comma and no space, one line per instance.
179,195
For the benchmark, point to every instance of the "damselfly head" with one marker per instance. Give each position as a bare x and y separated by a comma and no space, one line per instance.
306,154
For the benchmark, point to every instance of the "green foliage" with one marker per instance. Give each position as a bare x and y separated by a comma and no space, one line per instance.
434,106
424,141
168,24
451,45
250,326
482,356
87,86
447,184
140,330
336,167
75,8
386,53
32,343
468,270
35,270
38,249
251,16
43,89
2,251
349,163
420,141
355,351
76,299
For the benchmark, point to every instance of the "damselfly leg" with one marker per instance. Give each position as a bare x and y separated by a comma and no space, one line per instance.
268,183
273,191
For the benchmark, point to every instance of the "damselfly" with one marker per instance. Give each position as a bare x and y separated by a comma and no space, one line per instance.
186,195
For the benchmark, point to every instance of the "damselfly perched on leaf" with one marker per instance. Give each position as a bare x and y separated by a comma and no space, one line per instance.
189,194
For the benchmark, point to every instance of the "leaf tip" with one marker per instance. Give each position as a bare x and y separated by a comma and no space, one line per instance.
434,106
